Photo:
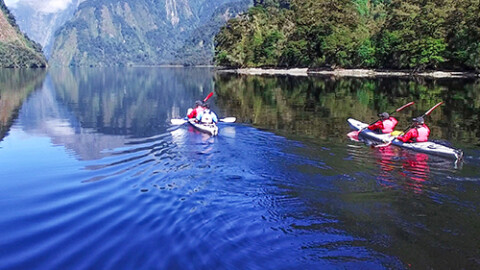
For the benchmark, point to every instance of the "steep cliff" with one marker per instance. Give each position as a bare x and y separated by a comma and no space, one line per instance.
40,19
141,32
16,49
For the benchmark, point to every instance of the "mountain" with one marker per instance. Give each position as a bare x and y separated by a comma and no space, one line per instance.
39,20
16,49
142,32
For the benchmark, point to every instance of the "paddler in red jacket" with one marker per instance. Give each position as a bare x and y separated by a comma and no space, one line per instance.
419,132
199,107
386,124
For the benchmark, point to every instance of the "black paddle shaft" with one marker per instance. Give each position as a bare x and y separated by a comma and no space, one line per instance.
427,113
397,110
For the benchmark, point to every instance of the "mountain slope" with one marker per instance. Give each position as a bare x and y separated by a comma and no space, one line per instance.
39,21
135,32
17,50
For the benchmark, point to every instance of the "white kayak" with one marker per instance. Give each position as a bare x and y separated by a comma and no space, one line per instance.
211,129
424,147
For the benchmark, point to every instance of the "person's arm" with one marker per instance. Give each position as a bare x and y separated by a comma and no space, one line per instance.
192,114
376,125
214,118
411,134
199,117
395,121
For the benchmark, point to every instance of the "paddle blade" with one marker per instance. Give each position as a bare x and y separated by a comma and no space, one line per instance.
229,119
178,121
405,106
433,108
209,96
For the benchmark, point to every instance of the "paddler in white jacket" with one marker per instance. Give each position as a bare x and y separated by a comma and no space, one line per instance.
207,116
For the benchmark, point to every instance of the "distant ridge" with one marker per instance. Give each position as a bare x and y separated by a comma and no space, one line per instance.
16,49
142,32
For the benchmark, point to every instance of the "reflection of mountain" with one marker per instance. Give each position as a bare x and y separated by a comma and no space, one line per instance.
92,110
130,101
15,87
42,114
318,107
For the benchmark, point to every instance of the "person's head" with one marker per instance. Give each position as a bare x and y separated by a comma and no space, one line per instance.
198,103
418,121
206,105
384,115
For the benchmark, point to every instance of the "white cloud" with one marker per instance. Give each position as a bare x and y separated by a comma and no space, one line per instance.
11,3
45,6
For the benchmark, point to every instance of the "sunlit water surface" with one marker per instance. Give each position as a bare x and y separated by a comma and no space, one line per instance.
93,176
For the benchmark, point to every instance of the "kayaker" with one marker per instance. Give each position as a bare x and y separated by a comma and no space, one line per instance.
386,124
207,116
418,133
198,109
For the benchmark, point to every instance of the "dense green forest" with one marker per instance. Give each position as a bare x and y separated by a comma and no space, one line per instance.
387,34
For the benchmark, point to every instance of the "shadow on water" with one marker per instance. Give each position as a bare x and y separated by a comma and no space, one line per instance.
98,167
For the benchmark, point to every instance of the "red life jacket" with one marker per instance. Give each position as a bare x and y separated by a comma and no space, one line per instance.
196,111
423,133
389,124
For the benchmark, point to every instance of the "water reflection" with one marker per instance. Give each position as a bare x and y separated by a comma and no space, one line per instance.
398,167
130,101
317,107
15,86
182,196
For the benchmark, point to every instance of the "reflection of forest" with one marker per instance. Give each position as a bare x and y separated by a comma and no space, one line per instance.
129,101
15,86
318,107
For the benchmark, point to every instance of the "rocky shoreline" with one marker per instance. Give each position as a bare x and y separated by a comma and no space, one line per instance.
360,73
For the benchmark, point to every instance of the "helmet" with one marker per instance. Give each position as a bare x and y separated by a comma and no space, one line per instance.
384,115
206,105
418,120
198,103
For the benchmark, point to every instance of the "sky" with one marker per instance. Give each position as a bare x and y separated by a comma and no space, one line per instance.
46,6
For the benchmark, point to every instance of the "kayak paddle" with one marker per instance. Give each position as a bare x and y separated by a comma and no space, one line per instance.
425,114
397,110
228,119
177,122
209,96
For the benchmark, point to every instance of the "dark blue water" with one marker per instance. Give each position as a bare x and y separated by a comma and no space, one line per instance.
93,176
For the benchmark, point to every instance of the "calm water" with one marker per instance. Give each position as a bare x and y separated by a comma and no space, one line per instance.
93,176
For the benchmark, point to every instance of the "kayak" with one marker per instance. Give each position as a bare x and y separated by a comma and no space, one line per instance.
424,147
211,129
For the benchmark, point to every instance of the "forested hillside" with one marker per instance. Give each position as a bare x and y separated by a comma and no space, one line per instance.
142,32
17,50
40,21
389,34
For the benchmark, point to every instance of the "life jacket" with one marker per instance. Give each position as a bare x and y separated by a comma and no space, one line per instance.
389,124
196,111
207,117
423,133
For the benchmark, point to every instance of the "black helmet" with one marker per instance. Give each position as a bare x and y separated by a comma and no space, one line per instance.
384,115
206,105
418,120
198,103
